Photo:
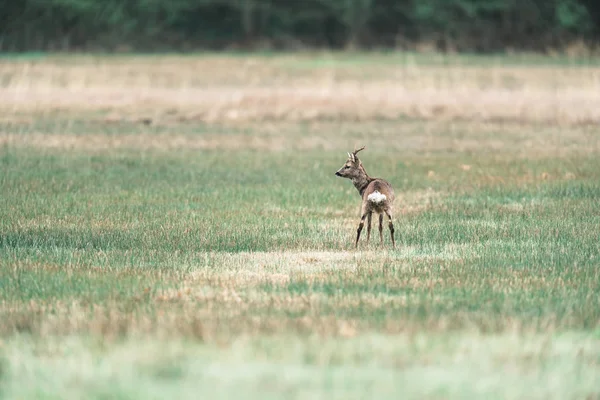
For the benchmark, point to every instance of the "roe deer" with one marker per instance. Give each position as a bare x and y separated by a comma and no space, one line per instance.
377,196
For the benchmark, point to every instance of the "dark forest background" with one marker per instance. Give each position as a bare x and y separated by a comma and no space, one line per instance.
159,25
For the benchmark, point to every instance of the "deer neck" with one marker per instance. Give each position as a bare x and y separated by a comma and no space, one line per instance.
362,180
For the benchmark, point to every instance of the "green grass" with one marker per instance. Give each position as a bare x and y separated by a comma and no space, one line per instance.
342,58
179,264
417,366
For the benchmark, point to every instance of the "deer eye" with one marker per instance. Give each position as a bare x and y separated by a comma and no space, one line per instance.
346,167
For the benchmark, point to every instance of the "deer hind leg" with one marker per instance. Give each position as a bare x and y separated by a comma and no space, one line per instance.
369,227
391,226
381,228
360,226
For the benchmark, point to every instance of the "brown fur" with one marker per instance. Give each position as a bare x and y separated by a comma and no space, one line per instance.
354,170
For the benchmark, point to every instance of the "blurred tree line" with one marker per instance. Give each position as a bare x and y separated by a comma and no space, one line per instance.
148,25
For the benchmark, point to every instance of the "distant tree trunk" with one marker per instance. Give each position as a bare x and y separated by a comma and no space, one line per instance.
248,10
356,14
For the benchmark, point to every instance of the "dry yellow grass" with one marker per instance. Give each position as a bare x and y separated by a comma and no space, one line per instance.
229,89
532,141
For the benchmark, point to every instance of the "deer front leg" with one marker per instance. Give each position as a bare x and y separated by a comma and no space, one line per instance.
391,226
381,228
360,226
369,227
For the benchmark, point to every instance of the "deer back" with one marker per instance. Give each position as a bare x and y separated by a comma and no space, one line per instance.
378,196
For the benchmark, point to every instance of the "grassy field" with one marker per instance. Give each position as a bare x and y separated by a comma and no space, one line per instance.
171,227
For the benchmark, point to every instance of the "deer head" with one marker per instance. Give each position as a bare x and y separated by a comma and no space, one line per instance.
352,167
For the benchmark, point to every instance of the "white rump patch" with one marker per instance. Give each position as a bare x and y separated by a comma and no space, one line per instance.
376,197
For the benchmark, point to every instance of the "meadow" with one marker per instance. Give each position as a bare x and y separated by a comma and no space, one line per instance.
171,226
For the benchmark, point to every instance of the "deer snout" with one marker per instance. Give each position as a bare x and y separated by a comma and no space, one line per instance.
338,173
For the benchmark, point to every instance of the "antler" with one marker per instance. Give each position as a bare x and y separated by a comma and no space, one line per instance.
356,151
352,156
